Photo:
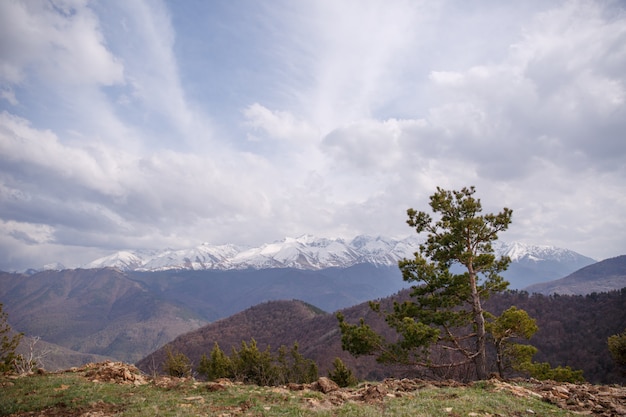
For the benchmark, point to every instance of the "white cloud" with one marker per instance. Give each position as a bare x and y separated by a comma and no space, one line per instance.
279,124
59,41
154,124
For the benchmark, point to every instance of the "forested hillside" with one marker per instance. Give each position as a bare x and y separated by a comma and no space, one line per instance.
572,331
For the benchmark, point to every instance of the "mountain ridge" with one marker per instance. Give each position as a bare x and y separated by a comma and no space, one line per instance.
310,252
602,276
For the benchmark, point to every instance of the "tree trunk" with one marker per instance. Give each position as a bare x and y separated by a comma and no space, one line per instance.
479,320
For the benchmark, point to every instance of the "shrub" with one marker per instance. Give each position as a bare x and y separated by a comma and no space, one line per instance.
217,366
250,365
177,365
341,374
8,344
544,371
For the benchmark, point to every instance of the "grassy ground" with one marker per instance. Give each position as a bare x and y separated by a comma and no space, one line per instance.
71,394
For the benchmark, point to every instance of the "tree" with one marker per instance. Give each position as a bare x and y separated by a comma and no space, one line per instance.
217,366
447,307
252,365
617,347
544,371
512,324
177,364
341,374
8,343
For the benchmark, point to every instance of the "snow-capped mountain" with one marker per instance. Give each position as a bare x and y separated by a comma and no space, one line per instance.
312,253
304,252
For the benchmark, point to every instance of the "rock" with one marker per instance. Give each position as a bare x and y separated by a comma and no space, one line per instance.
325,385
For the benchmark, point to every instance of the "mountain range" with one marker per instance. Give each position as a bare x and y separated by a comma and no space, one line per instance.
307,252
531,264
127,314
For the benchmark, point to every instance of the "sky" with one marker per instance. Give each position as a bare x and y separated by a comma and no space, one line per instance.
164,124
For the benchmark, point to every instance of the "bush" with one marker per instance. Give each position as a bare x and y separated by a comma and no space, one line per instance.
543,371
177,365
341,374
617,347
250,365
218,366
8,344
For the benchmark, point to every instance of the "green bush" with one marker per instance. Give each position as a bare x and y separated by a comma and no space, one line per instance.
543,371
177,365
617,347
218,366
341,374
250,365
8,344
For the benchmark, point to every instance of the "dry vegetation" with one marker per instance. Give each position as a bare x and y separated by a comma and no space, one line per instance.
117,389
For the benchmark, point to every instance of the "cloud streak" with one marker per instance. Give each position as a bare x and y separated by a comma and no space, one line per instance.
155,124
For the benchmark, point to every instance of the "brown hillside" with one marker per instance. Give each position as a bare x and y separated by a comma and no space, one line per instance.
97,311
277,323
572,331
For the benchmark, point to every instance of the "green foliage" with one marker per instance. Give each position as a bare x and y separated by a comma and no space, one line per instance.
512,324
543,371
8,344
297,368
446,308
617,347
176,364
341,374
253,366
218,366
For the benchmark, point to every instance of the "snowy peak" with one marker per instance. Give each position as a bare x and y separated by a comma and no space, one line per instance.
123,260
306,252
522,252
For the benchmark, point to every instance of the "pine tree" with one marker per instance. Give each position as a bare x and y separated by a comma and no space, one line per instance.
217,366
446,307
341,374
176,364
8,343
512,324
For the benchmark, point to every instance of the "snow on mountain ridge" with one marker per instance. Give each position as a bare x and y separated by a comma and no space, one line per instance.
518,251
305,252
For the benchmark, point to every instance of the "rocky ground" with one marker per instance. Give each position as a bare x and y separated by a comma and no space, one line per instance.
584,399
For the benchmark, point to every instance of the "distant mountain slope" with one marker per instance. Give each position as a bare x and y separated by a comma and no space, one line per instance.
52,357
603,276
215,294
98,311
572,331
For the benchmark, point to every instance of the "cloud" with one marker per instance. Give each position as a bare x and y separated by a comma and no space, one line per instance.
59,41
156,124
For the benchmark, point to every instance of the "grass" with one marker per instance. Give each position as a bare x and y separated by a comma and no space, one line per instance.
71,394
